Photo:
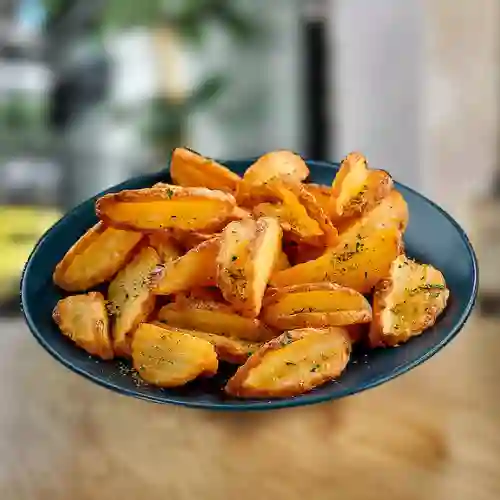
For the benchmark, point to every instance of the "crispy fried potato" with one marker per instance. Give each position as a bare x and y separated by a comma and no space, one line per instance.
321,193
84,320
239,213
228,349
95,258
293,218
164,245
170,358
407,302
196,268
315,305
283,165
392,211
292,364
190,239
356,189
357,262
190,169
248,255
130,300
315,212
188,209
282,262
213,317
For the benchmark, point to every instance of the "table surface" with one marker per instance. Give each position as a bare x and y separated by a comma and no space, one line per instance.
430,434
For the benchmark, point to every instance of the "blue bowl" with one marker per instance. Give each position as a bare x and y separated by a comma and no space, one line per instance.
432,237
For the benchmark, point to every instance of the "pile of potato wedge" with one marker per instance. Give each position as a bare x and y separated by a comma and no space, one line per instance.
265,271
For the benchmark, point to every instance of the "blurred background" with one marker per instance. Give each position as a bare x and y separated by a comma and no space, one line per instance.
95,91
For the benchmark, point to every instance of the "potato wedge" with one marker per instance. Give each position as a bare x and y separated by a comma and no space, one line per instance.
95,258
356,189
282,262
248,255
170,358
130,300
357,262
83,318
292,364
213,317
315,212
190,239
321,193
190,169
188,209
228,349
392,211
407,302
293,218
315,305
283,165
196,268
164,245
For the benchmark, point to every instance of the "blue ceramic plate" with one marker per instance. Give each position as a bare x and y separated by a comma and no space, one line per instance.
432,236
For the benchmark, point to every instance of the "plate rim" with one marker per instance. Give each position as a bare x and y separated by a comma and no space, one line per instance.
254,405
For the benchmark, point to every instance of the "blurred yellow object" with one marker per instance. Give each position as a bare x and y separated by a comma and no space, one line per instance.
20,229
26,220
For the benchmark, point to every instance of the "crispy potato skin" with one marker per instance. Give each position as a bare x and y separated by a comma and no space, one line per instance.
292,364
164,245
314,305
356,189
283,165
190,169
357,262
248,255
95,258
293,216
196,268
228,349
321,193
407,302
170,358
315,211
130,300
213,317
173,207
83,319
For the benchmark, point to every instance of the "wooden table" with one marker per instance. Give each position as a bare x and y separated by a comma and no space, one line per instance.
430,434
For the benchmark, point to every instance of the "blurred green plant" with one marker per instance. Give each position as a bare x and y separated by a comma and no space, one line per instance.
187,18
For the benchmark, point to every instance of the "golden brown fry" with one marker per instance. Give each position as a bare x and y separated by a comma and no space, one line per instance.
84,320
357,189
130,301
213,317
248,254
282,262
315,212
164,245
315,305
188,209
321,193
95,258
292,364
283,165
407,302
357,263
196,268
228,349
293,218
170,358
239,214
190,169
